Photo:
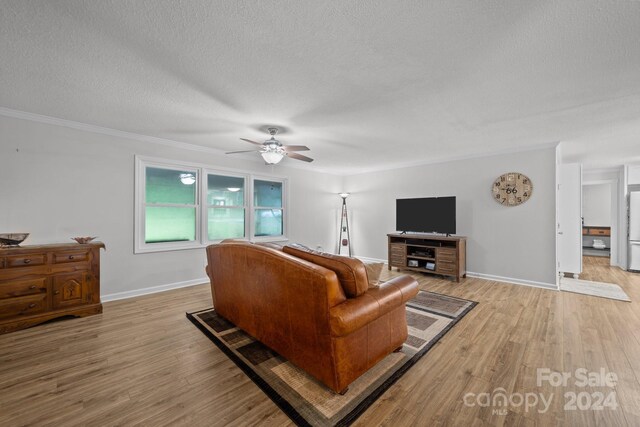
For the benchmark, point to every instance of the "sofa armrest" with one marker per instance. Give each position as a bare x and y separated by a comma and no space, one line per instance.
355,313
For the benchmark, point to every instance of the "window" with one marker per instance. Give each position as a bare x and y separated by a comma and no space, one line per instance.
225,207
267,202
184,206
170,205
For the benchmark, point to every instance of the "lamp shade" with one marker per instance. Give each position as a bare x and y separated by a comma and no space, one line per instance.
272,157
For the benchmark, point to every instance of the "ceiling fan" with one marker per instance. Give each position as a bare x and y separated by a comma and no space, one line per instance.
272,150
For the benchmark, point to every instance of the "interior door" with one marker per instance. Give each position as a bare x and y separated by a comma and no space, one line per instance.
569,228
634,256
634,216
634,231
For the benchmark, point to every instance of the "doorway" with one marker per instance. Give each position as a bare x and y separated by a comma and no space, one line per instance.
600,220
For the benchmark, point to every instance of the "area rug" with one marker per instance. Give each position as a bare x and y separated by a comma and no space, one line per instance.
301,397
596,289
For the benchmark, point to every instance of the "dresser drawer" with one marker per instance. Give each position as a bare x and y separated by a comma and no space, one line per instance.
76,256
25,260
398,249
446,267
20,306
17,288
398,259
446,255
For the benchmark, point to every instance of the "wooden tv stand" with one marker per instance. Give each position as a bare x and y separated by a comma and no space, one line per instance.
432,254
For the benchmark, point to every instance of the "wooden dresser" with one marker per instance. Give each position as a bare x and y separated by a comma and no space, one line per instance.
39,283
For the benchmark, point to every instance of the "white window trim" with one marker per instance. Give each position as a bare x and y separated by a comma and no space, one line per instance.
202,171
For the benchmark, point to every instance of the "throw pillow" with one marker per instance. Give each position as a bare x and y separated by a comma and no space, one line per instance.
374,270
350,271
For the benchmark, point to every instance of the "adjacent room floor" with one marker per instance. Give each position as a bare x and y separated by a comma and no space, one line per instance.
143,362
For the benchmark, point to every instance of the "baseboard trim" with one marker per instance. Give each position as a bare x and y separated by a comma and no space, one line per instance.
485,276
185,284
513,281
502,279
152,290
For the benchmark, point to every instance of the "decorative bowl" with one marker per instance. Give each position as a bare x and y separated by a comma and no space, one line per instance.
83,240
12,239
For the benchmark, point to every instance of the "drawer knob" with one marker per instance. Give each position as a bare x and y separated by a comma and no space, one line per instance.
32,287
70,256
56,292
27,261
32,305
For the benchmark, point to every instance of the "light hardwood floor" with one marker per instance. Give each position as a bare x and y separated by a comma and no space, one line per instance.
142,362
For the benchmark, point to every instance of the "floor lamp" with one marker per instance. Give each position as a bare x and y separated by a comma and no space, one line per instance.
344,240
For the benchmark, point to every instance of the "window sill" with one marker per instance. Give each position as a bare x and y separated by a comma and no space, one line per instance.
146,250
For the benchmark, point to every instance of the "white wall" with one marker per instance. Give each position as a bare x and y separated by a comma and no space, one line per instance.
596,204
58,182
516,243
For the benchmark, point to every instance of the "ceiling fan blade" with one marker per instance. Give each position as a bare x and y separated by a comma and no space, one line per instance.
244,151
296,147
299,157
250,141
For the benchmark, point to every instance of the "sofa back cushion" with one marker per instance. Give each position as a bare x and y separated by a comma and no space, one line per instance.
350,271
275,246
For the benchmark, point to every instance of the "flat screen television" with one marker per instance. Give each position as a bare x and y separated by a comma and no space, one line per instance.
426,215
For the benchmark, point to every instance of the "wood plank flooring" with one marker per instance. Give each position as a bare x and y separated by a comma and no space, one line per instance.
142,363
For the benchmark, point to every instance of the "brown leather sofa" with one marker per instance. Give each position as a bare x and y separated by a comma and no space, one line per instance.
314,309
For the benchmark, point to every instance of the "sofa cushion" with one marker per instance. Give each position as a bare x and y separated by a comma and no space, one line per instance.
350,271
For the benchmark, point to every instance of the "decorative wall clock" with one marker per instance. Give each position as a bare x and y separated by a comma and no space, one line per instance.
512,189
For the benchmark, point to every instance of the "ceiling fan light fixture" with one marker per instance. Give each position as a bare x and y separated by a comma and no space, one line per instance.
272,157
273,151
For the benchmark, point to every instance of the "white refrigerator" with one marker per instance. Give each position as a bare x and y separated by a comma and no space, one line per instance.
634,231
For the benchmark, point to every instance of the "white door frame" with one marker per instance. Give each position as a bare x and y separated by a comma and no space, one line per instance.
568,214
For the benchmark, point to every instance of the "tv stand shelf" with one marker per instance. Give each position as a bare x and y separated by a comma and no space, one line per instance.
420,257
432,254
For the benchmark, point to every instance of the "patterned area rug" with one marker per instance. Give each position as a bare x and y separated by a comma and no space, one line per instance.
301,397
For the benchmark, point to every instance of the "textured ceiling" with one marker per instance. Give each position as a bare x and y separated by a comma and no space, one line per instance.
365,84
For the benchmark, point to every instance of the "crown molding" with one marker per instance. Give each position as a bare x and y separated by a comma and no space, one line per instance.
17,114
440,160
8,112
105,131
